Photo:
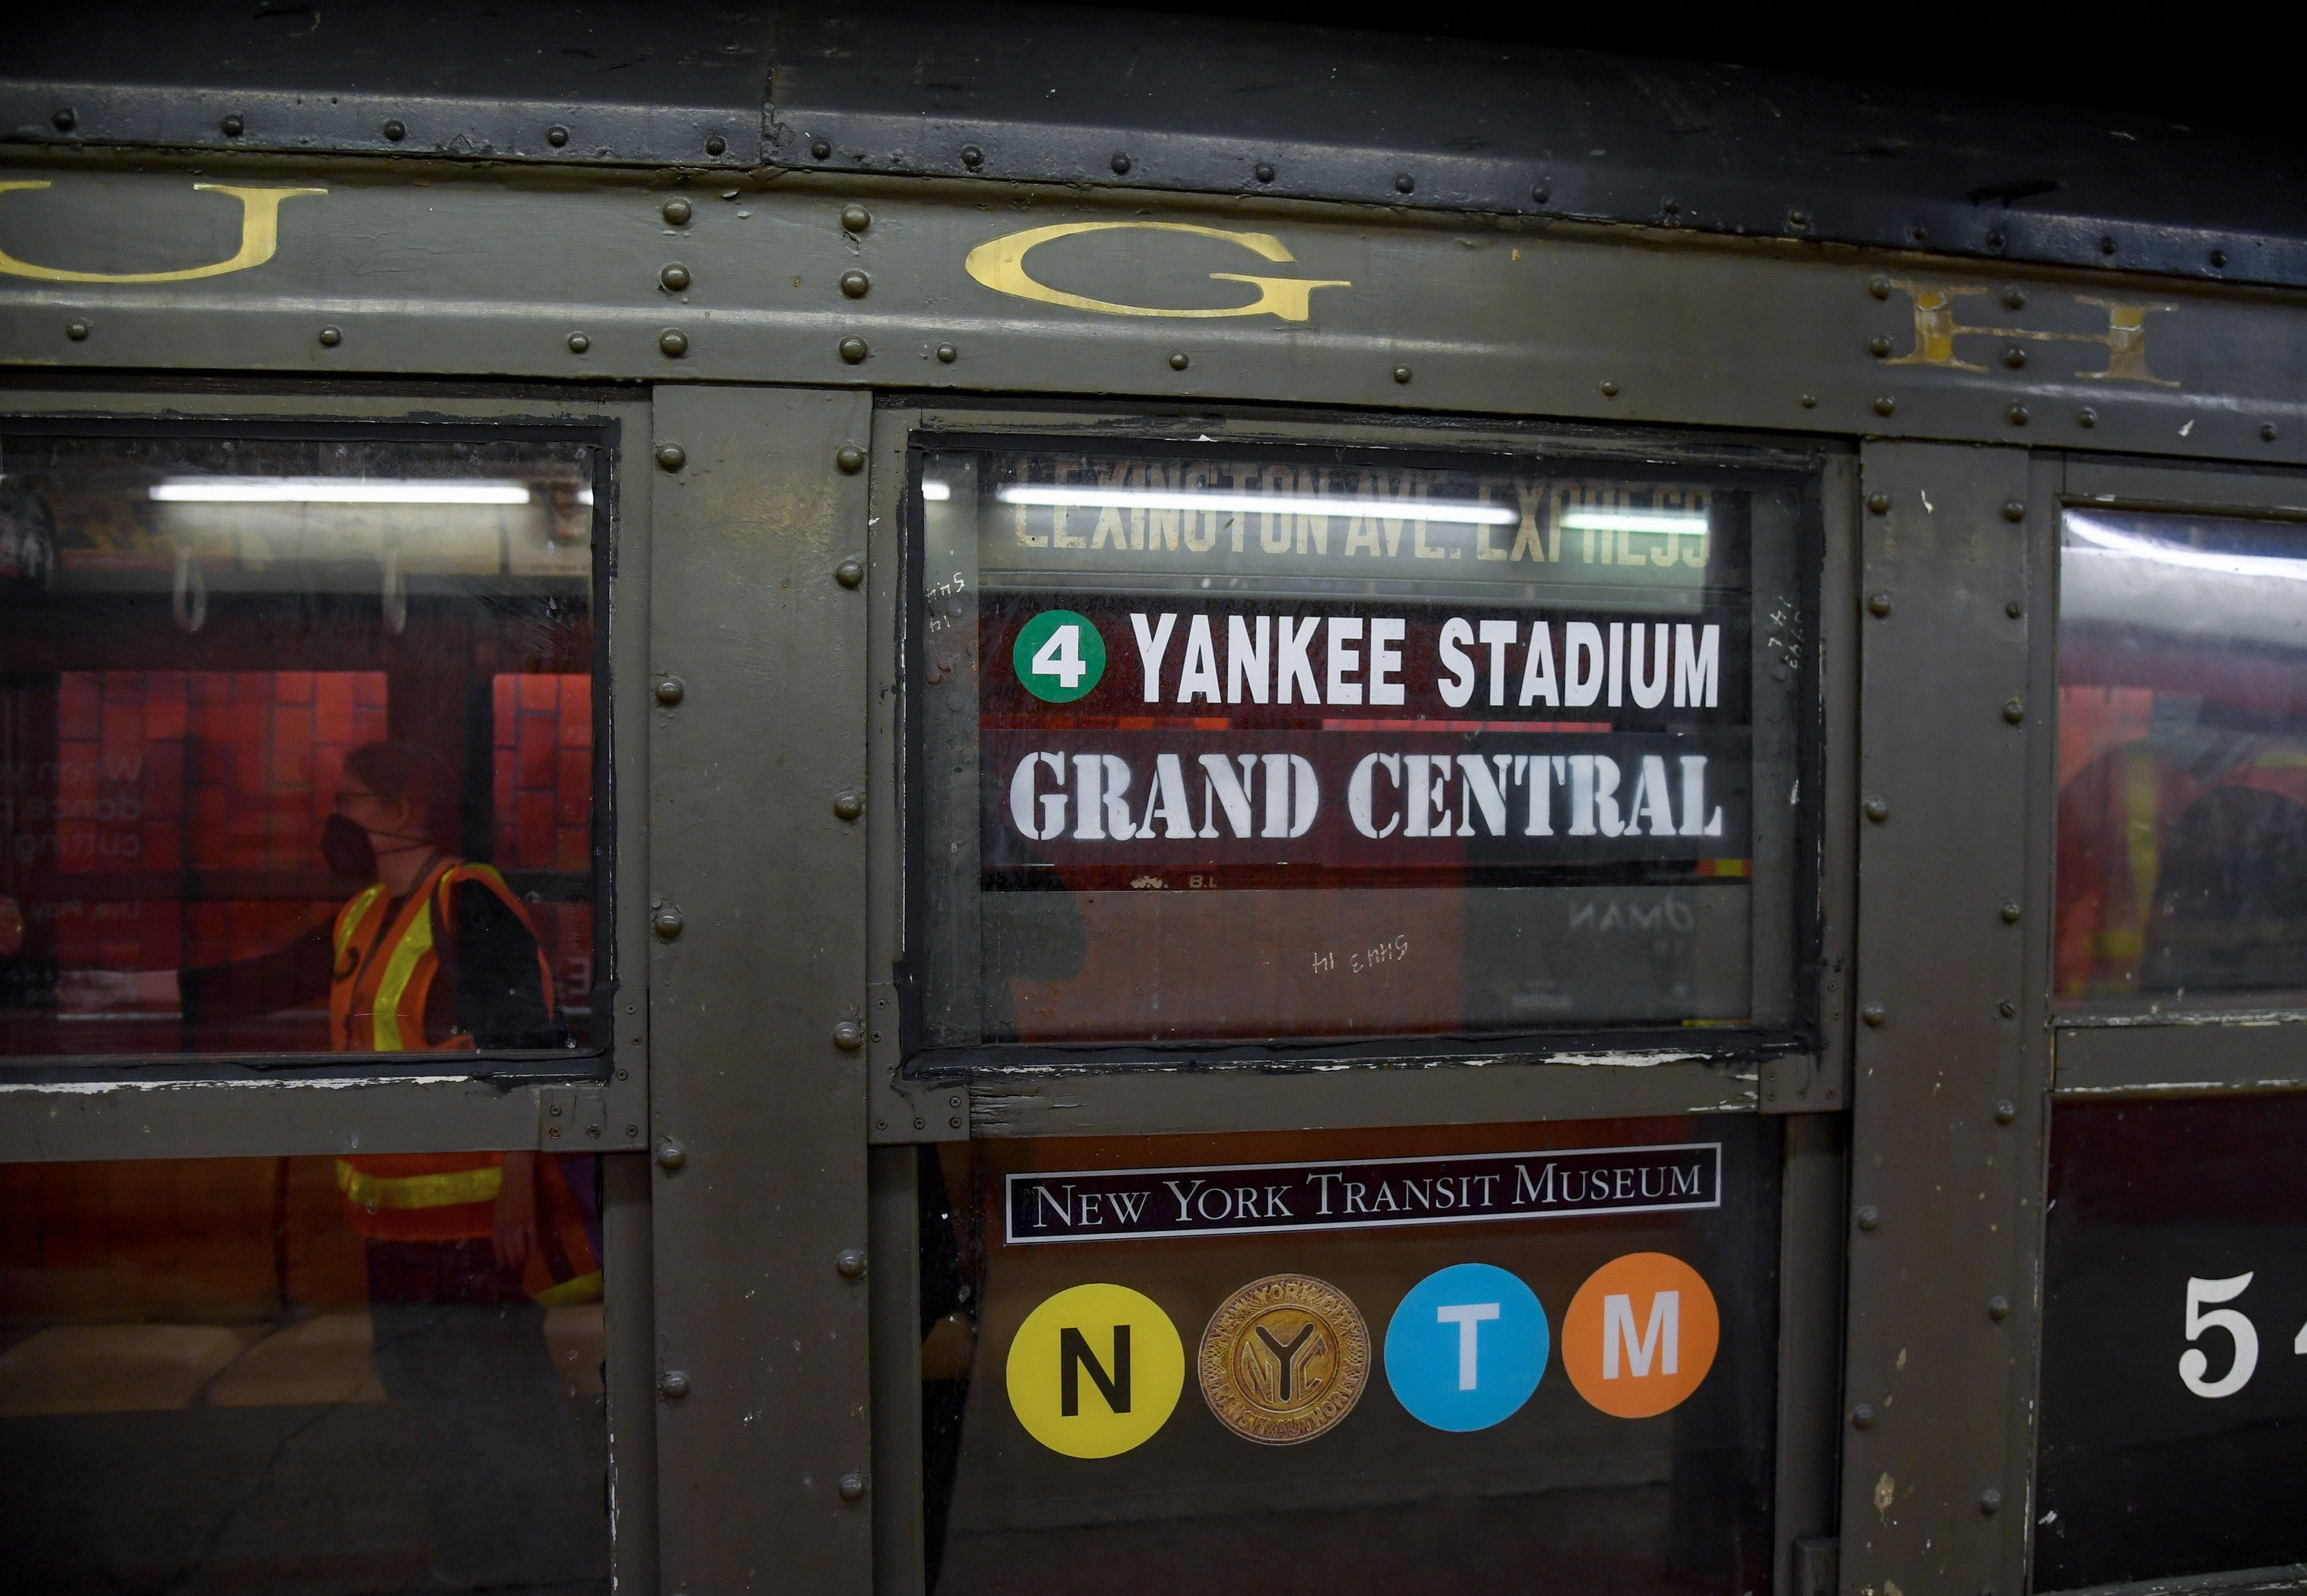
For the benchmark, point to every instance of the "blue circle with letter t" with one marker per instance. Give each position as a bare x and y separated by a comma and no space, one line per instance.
1466,1347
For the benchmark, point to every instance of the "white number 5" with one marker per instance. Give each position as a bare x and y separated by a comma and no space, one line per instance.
2192,1362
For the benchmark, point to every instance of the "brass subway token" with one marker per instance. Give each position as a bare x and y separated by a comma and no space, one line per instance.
1284,1359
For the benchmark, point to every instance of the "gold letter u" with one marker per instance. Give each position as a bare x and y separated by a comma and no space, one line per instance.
259,236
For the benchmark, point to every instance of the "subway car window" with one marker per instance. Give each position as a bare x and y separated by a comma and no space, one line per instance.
295,746
1312,746
2183,762
1402,1360
303,1375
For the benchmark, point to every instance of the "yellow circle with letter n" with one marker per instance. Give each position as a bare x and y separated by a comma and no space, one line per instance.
1095,1371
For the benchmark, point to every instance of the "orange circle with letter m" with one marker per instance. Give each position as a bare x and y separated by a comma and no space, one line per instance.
1641,1335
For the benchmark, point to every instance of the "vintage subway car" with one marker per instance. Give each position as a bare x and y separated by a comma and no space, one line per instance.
878,801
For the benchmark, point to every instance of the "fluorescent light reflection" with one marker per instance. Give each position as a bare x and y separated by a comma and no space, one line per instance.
2286,569
936,492
329,489
1630,521
1271,504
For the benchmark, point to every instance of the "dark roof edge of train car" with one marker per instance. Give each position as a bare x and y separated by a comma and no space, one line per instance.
1134,99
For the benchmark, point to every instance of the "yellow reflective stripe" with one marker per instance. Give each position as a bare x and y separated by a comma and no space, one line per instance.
444,1190
2145,854
348,925
569,1293
385,1018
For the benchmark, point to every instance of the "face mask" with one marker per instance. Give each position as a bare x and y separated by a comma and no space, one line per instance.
346,847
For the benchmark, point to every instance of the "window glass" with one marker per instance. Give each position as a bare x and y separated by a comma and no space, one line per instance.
1423,1360
2182,761
295,746
304,1376
1299,748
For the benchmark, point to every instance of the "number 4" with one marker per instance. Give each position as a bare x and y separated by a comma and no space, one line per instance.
2193,1363
1061,657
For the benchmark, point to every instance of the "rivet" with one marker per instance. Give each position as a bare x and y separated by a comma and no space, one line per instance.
2014,297
1797,219
2106,243
1668,208
1880,287
1401,374
717,145
1609,389
946,354
848,806
395,129
672,456
666,922
1121,164
556,1111
1177,361
919,1123
851,1487
855,219
76,330
2007,1009
1878,603
849,1263
849,1036
2014,609
676,212
1262,171
232,126
2016,415
1404,182
955,1122
820,150
1869,1217
630,1130
578,343
2087,417
1542,193
673,343
671,1154
1990,1501
849,459
972,156
2011,911
674,277
671,690
2013,711
854,350
2014,509
954,1102
1872,1014
1862,1417
2005,1112
1916,233
1885,403
1998,1308
1878,810
1879,346
1995,238
674,1384
1880,503
855,284
849,573
2267,431
63,121
1810,401
556,136
331,336
2014,356
2218,257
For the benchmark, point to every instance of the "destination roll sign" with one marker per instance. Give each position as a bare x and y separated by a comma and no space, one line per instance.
1357,676
1116,1205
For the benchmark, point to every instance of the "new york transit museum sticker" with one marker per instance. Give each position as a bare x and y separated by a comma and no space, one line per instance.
1466,1348
1640,1335
1095,1371
1060,656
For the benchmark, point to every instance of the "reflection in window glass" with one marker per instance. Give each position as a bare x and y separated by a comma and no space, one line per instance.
1305,747
1481,1358
303,1375
2182,761
295,746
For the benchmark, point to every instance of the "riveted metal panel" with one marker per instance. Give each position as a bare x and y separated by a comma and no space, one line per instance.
760,886
1944,1196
